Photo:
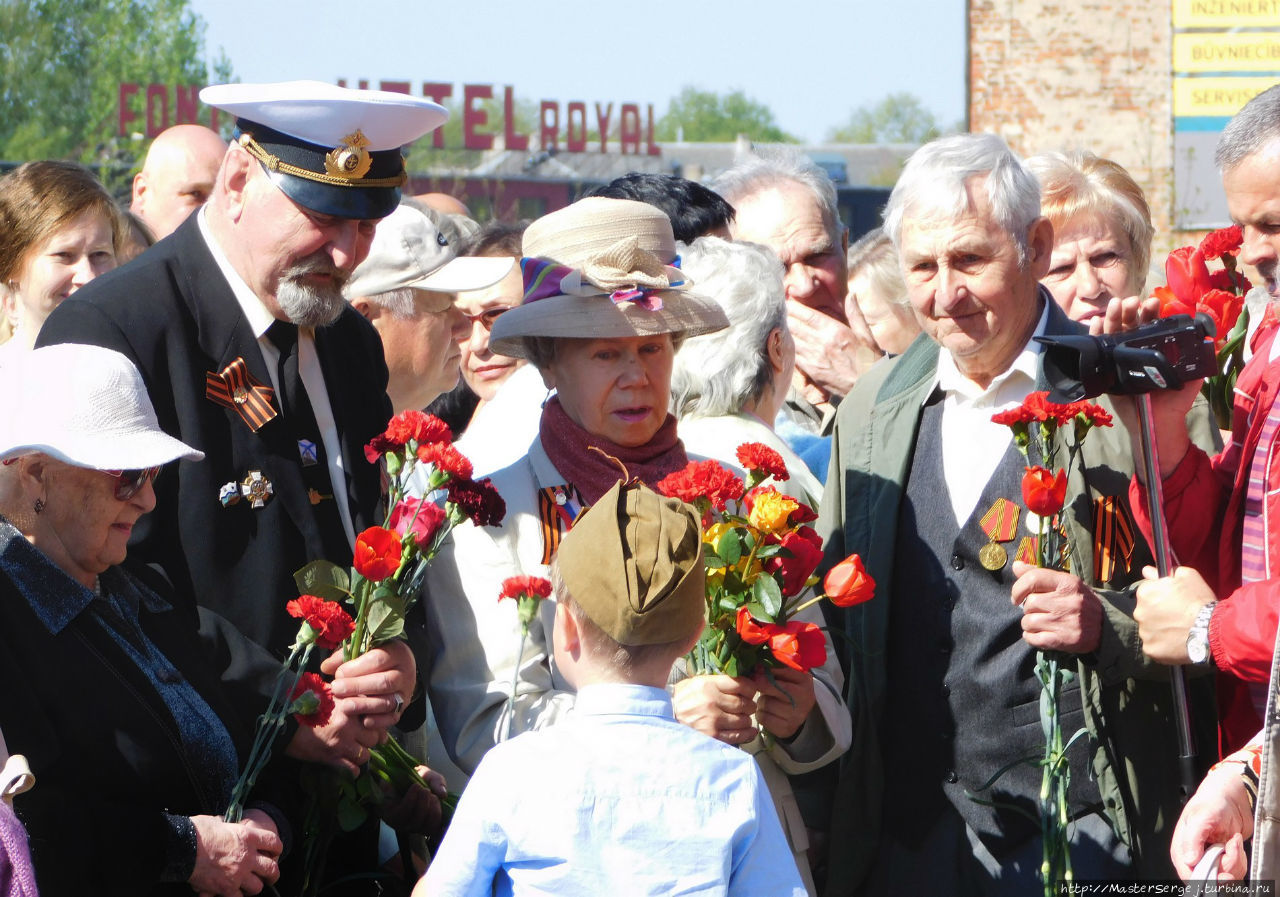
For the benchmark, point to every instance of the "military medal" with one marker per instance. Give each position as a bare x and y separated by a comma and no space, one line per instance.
1000,523
256,488
229,494
307,451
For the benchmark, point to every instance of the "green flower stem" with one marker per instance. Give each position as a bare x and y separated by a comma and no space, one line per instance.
269,725
515,682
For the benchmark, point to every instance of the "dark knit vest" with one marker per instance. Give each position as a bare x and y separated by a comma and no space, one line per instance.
962,700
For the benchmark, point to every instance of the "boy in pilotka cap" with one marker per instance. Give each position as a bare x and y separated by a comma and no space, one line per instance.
619,798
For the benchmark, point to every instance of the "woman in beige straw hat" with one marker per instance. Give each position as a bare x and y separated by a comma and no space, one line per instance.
602,317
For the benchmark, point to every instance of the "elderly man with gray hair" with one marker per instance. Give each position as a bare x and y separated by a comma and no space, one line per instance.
940,662
784,201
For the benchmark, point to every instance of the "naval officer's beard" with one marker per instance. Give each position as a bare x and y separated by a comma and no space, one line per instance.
311,303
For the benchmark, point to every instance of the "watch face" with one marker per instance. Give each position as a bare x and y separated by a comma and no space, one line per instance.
1197,648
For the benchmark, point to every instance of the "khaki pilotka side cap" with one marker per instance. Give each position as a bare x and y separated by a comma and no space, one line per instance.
633,563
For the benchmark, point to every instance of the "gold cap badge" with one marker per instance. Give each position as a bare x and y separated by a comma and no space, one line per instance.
350,160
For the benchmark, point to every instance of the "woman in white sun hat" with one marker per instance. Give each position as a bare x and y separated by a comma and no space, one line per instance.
111,697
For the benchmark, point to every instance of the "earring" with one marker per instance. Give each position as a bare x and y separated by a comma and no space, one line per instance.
38,505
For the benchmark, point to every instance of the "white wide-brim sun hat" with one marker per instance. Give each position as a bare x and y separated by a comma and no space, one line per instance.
86,406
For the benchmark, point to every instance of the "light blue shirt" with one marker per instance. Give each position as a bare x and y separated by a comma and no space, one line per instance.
617,798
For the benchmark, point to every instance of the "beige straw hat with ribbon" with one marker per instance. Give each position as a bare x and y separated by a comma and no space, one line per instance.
602,270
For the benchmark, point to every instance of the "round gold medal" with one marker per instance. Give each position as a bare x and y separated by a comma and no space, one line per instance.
993,557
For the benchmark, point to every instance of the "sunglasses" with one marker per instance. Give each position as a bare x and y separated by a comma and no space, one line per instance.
130,482
486,318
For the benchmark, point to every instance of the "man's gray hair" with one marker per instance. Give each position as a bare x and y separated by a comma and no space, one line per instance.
397,303
1253,128
718,373
933,185
767,168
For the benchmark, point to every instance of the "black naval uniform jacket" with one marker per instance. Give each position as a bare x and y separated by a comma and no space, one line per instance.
173,313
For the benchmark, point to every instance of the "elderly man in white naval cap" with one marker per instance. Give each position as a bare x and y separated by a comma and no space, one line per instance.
249,351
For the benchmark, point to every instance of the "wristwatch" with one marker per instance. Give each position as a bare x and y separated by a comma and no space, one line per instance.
1198,637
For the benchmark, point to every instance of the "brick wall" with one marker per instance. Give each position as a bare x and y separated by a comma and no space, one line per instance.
1080,74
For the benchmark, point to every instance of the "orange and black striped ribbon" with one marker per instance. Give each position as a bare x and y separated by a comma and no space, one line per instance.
1027,551
1000,523
235,388
1112,537
555,517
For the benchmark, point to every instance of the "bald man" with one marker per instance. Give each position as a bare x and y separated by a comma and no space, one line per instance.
176,177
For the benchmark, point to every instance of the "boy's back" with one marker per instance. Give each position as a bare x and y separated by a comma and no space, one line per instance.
618,799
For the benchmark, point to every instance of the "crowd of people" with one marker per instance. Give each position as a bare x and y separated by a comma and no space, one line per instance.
189,430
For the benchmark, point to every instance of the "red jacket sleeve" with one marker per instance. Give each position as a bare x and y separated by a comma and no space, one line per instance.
1242,631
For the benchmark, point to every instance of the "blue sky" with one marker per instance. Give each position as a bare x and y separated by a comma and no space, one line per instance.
811,63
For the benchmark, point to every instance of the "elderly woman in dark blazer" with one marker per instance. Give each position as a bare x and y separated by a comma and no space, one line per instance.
108,692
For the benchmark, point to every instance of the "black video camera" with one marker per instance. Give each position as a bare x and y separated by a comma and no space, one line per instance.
1161,355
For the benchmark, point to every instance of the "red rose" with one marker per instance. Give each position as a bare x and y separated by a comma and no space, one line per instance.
478,500
1225,241
702,479
328,621
1187,274
749,630
530,586
1043,492
802,514
800,646
446,459
803,549
311,702
758,456
419,518
848,583
377,553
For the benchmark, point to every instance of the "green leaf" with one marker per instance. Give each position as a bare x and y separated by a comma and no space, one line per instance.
730,548
769,551
350,814
766,592
713,562
324,580
386,617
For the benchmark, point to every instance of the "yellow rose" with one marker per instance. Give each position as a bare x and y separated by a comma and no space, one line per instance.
770,511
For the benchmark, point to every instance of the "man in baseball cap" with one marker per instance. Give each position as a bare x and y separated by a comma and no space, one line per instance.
250,353
406,288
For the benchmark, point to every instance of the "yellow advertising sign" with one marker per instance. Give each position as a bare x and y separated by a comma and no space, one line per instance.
1219,97
1248,52
1226,13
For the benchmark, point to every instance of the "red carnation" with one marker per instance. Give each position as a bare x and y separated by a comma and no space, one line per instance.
479,501
311,701
529,586
419,427
803,553
377,553
848,583
1092,412
1225,241
799,645
1037,407
329,623
1043,492
702,479
749,630
1012,417
379,446
419,518
446,459
755,456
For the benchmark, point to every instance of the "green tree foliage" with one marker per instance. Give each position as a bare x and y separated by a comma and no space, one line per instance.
62,62
703,116
898,118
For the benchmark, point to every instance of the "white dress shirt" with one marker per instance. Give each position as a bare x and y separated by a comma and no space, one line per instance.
260,319
972,445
